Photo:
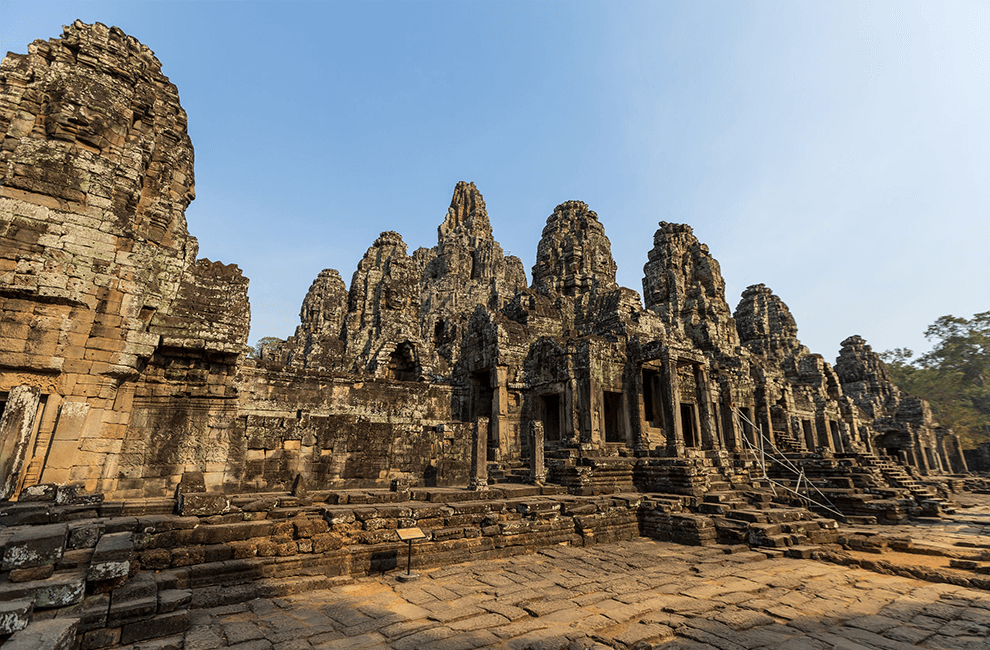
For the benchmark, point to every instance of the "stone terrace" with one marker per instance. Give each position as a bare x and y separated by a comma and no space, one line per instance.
636,594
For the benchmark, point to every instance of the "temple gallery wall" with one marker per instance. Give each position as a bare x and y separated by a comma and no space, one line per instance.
124,365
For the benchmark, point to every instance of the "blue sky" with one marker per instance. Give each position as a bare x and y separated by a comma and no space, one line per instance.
837,152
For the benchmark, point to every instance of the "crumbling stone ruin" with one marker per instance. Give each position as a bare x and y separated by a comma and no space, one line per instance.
144,447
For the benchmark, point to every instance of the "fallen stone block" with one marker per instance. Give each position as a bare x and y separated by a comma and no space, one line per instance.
111,558
159,626
34,546
72,495
60,590
54,634
15,615
45,492
202,504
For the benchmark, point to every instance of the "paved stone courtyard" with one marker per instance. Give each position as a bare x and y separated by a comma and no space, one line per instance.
638,594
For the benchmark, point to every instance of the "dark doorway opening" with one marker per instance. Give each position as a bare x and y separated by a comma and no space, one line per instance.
747,419
482,395
550,415
688,425
402,364
809,435
833,428
653,409
613,417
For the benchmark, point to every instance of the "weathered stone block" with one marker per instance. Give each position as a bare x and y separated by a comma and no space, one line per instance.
159,626
111,558
60,590
35,546
73,495
203,504
15,615
45,492
54,634
34,573
84,534
100,638
170,600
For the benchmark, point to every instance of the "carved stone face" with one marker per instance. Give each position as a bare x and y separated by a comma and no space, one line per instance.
96,172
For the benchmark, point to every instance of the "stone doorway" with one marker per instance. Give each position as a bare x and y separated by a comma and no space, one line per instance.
614,431
689,425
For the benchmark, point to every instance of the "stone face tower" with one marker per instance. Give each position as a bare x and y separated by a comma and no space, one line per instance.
683,284
97,269
574,256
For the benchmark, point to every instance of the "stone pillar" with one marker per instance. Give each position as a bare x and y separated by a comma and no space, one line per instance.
16,426
537,468
730,424
708,439
500,411
64,451
951,452
672,397
479,455
763,419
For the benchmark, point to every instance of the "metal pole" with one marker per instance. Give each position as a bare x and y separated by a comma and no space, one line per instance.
409,559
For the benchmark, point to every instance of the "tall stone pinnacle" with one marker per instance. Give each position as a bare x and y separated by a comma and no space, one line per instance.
683,284
574,256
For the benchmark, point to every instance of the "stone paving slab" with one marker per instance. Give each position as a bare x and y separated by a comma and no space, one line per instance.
681,597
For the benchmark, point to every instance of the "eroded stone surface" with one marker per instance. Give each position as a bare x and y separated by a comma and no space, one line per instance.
653,594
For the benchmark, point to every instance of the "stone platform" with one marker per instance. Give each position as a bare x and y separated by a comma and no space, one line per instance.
635,594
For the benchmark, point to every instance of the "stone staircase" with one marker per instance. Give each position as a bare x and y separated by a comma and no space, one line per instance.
898,476
513,471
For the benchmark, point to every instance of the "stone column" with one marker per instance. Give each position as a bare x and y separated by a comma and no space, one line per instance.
500,411
708,440
479,455
537,468
733,436
672,396
16,426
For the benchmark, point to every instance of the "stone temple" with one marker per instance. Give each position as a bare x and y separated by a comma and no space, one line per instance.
127,388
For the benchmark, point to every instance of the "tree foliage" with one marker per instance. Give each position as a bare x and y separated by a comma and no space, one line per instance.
954,376
261,344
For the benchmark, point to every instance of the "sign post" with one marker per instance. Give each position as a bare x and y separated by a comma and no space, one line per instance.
409,535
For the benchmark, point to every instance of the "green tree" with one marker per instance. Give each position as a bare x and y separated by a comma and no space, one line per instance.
261,344
954,376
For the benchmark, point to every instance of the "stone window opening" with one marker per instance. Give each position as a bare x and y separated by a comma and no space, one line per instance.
833,428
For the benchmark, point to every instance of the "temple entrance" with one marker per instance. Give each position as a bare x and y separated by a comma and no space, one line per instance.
613,420
550,415
689,425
